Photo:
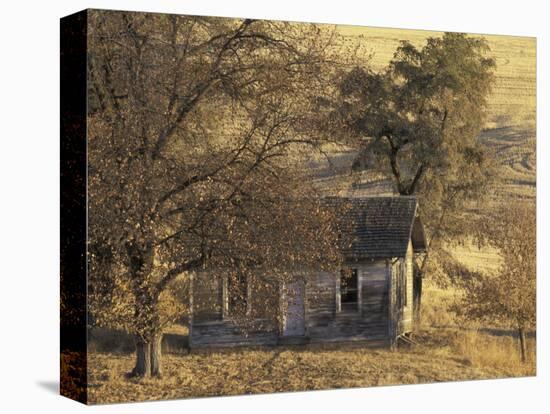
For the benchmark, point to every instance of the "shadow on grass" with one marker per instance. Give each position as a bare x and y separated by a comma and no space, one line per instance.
506,332
120,342
442,330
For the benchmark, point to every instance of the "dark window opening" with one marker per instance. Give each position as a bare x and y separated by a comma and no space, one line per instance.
349,290
237,295
401,285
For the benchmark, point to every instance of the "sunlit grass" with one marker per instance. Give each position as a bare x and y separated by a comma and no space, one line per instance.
445,352
442,355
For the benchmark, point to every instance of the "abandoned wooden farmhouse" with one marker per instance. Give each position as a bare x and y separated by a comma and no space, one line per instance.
370,299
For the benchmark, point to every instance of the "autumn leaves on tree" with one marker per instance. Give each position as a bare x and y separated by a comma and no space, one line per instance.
508,296
195,125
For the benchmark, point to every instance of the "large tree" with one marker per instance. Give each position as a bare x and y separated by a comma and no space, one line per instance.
418,121
195,125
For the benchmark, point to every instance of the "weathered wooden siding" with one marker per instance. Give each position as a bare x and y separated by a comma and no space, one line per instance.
228,332
324,323
369,321
408,309
393,323
209,326
402,317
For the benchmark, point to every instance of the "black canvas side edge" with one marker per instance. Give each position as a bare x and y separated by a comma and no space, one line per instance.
73,348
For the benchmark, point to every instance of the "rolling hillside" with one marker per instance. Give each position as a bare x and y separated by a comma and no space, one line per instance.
510,130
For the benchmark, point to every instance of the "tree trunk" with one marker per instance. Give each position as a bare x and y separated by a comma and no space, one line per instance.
143,359
156,363
148,353
522,345
148,357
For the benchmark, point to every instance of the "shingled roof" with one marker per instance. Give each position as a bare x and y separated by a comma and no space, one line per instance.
378,227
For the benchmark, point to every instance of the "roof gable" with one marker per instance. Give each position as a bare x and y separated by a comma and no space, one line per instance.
378,227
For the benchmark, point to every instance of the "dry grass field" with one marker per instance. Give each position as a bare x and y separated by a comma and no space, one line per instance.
444,353
477,259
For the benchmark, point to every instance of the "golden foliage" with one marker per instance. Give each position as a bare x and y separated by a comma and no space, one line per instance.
508,296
